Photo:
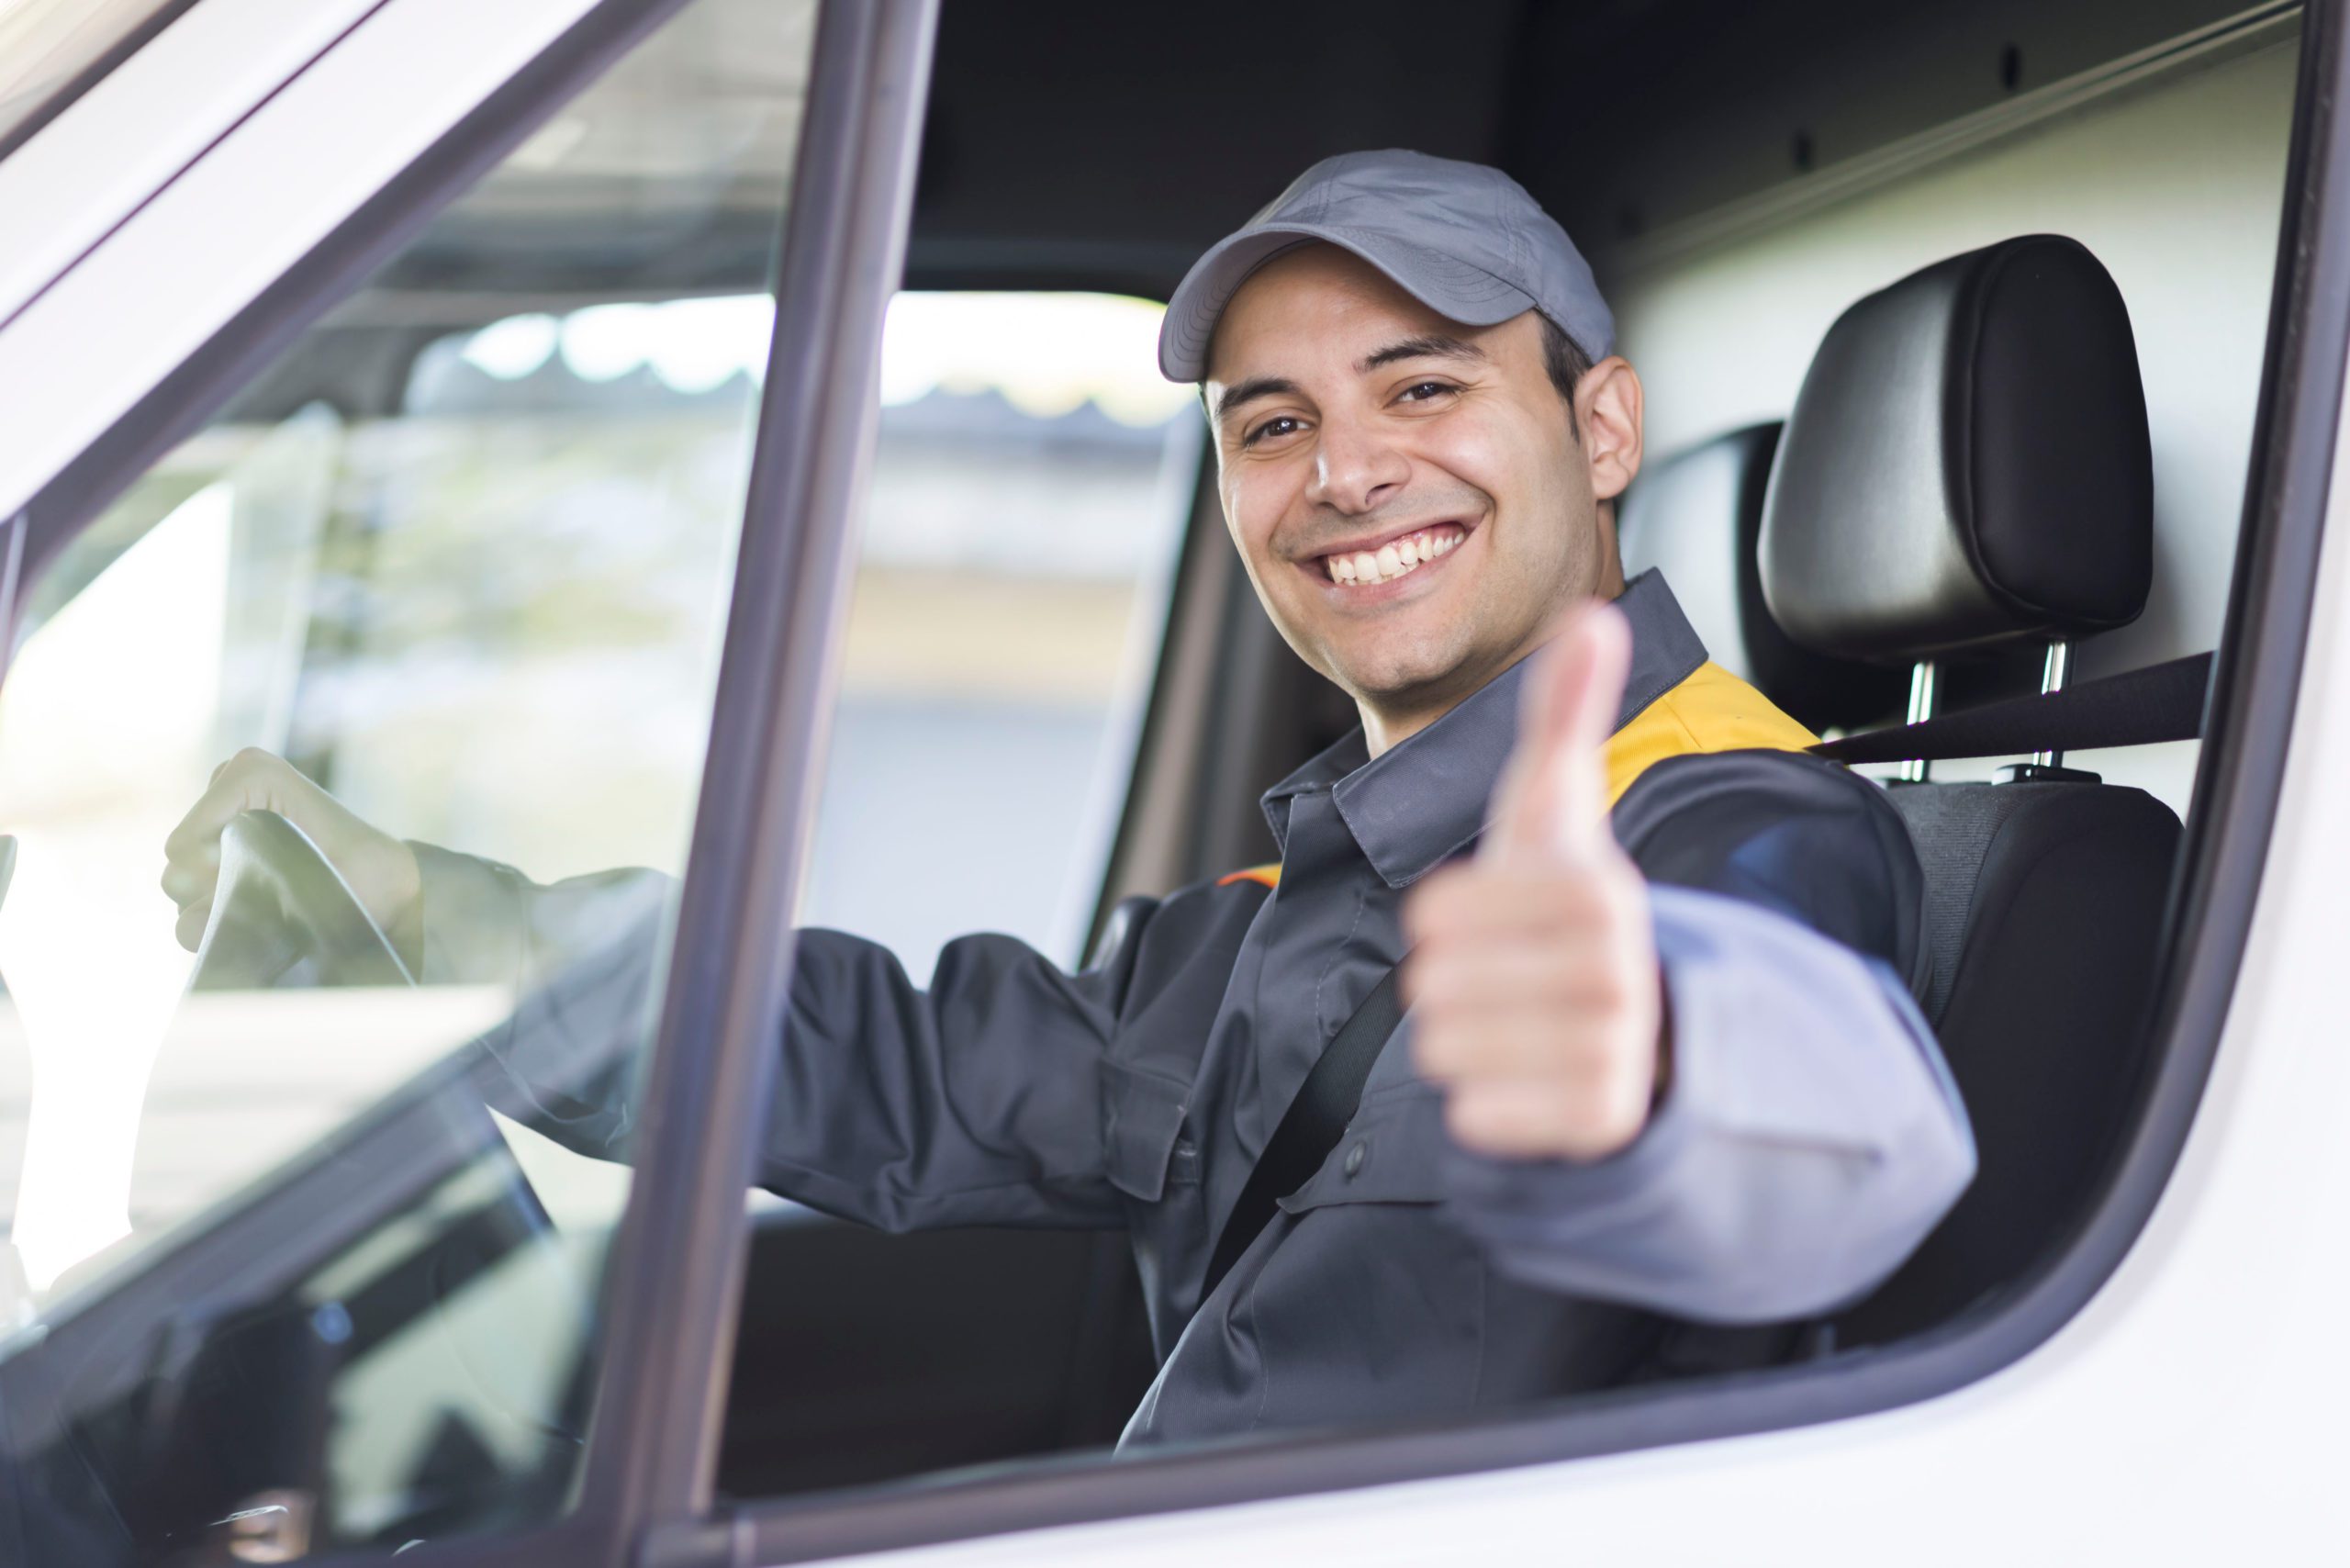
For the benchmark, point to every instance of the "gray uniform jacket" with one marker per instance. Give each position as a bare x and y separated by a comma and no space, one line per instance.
1809,1139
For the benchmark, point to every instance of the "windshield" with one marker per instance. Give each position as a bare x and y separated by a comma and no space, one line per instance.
49,50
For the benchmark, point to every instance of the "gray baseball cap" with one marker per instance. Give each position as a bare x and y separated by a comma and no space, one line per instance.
1463,240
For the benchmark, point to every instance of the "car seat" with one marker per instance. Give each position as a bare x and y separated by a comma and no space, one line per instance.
1967,468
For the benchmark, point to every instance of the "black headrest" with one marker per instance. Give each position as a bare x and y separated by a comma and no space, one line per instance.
1967,463
1697,516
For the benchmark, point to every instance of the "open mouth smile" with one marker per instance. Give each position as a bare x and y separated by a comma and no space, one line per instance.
1361,568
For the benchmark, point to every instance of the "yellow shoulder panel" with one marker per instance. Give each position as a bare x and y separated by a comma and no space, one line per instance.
1711,711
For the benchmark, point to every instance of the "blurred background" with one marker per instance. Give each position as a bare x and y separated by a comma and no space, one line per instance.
371,599
463,555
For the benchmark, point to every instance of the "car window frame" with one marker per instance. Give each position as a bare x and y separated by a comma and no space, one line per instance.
68,90
677,1254
170,90
2240,773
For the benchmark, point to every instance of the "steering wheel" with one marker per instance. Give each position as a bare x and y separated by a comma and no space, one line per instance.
283,916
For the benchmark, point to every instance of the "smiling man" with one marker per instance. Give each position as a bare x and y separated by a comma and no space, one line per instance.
1363,439
1660,1074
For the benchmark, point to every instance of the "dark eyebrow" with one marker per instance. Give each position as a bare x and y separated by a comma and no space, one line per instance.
1250,391
1432,345
1429,345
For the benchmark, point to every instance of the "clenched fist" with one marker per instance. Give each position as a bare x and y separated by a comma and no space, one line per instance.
1533,981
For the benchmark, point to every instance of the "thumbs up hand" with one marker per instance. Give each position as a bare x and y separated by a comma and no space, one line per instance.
1533,978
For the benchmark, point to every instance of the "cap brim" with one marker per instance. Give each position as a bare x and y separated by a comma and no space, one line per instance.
1453,289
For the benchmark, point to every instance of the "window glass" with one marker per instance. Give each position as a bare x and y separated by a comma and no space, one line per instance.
295,1267
1029,492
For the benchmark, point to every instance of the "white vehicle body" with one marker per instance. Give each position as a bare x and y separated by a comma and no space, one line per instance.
2186,1414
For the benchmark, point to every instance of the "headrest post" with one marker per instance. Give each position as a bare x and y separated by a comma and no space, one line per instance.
2053,676
1925,680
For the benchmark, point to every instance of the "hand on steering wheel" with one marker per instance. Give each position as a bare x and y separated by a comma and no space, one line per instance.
367,866
277,906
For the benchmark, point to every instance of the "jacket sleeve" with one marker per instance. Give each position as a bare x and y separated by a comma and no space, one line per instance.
1811,1136
975,1101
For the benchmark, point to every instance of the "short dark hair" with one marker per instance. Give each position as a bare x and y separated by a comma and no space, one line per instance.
1566,362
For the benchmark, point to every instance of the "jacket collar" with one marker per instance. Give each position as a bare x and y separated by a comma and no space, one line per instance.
1421,802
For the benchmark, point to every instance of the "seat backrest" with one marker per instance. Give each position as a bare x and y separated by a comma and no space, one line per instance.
2044,913
1967,468
1697,516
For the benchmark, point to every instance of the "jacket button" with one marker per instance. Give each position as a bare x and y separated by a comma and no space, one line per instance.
1354,1158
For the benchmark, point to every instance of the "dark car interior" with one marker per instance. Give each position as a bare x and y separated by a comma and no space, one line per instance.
1959,502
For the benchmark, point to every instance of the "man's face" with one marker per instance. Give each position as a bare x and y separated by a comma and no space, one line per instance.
1409,494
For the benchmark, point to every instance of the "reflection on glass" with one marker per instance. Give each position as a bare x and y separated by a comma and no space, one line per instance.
292,1261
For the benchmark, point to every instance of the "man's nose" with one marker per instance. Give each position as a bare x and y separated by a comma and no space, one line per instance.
1354,470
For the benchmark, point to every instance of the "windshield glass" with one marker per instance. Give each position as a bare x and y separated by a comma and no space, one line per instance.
49,49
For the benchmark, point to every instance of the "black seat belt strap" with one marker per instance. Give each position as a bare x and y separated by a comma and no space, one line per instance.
1310,1128
2161,702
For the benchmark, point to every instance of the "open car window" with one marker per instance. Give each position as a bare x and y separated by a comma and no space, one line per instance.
1029,491
1723,314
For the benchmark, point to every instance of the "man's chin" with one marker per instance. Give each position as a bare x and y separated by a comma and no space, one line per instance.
1406,686
1424,678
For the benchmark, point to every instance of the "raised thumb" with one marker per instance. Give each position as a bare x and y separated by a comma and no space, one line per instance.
1553,797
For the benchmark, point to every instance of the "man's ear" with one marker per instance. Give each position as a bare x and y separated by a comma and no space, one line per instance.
1607,405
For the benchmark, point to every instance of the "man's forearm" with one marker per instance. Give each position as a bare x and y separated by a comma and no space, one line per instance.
577,960
975,1100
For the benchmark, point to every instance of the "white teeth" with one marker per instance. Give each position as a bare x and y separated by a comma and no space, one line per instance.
1391,560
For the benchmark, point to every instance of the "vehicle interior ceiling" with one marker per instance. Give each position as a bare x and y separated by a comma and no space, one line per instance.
1739,176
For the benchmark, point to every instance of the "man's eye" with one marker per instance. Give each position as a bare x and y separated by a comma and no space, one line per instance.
1426,390
1278,425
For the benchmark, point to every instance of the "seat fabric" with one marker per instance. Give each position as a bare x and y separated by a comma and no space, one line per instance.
2044,910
